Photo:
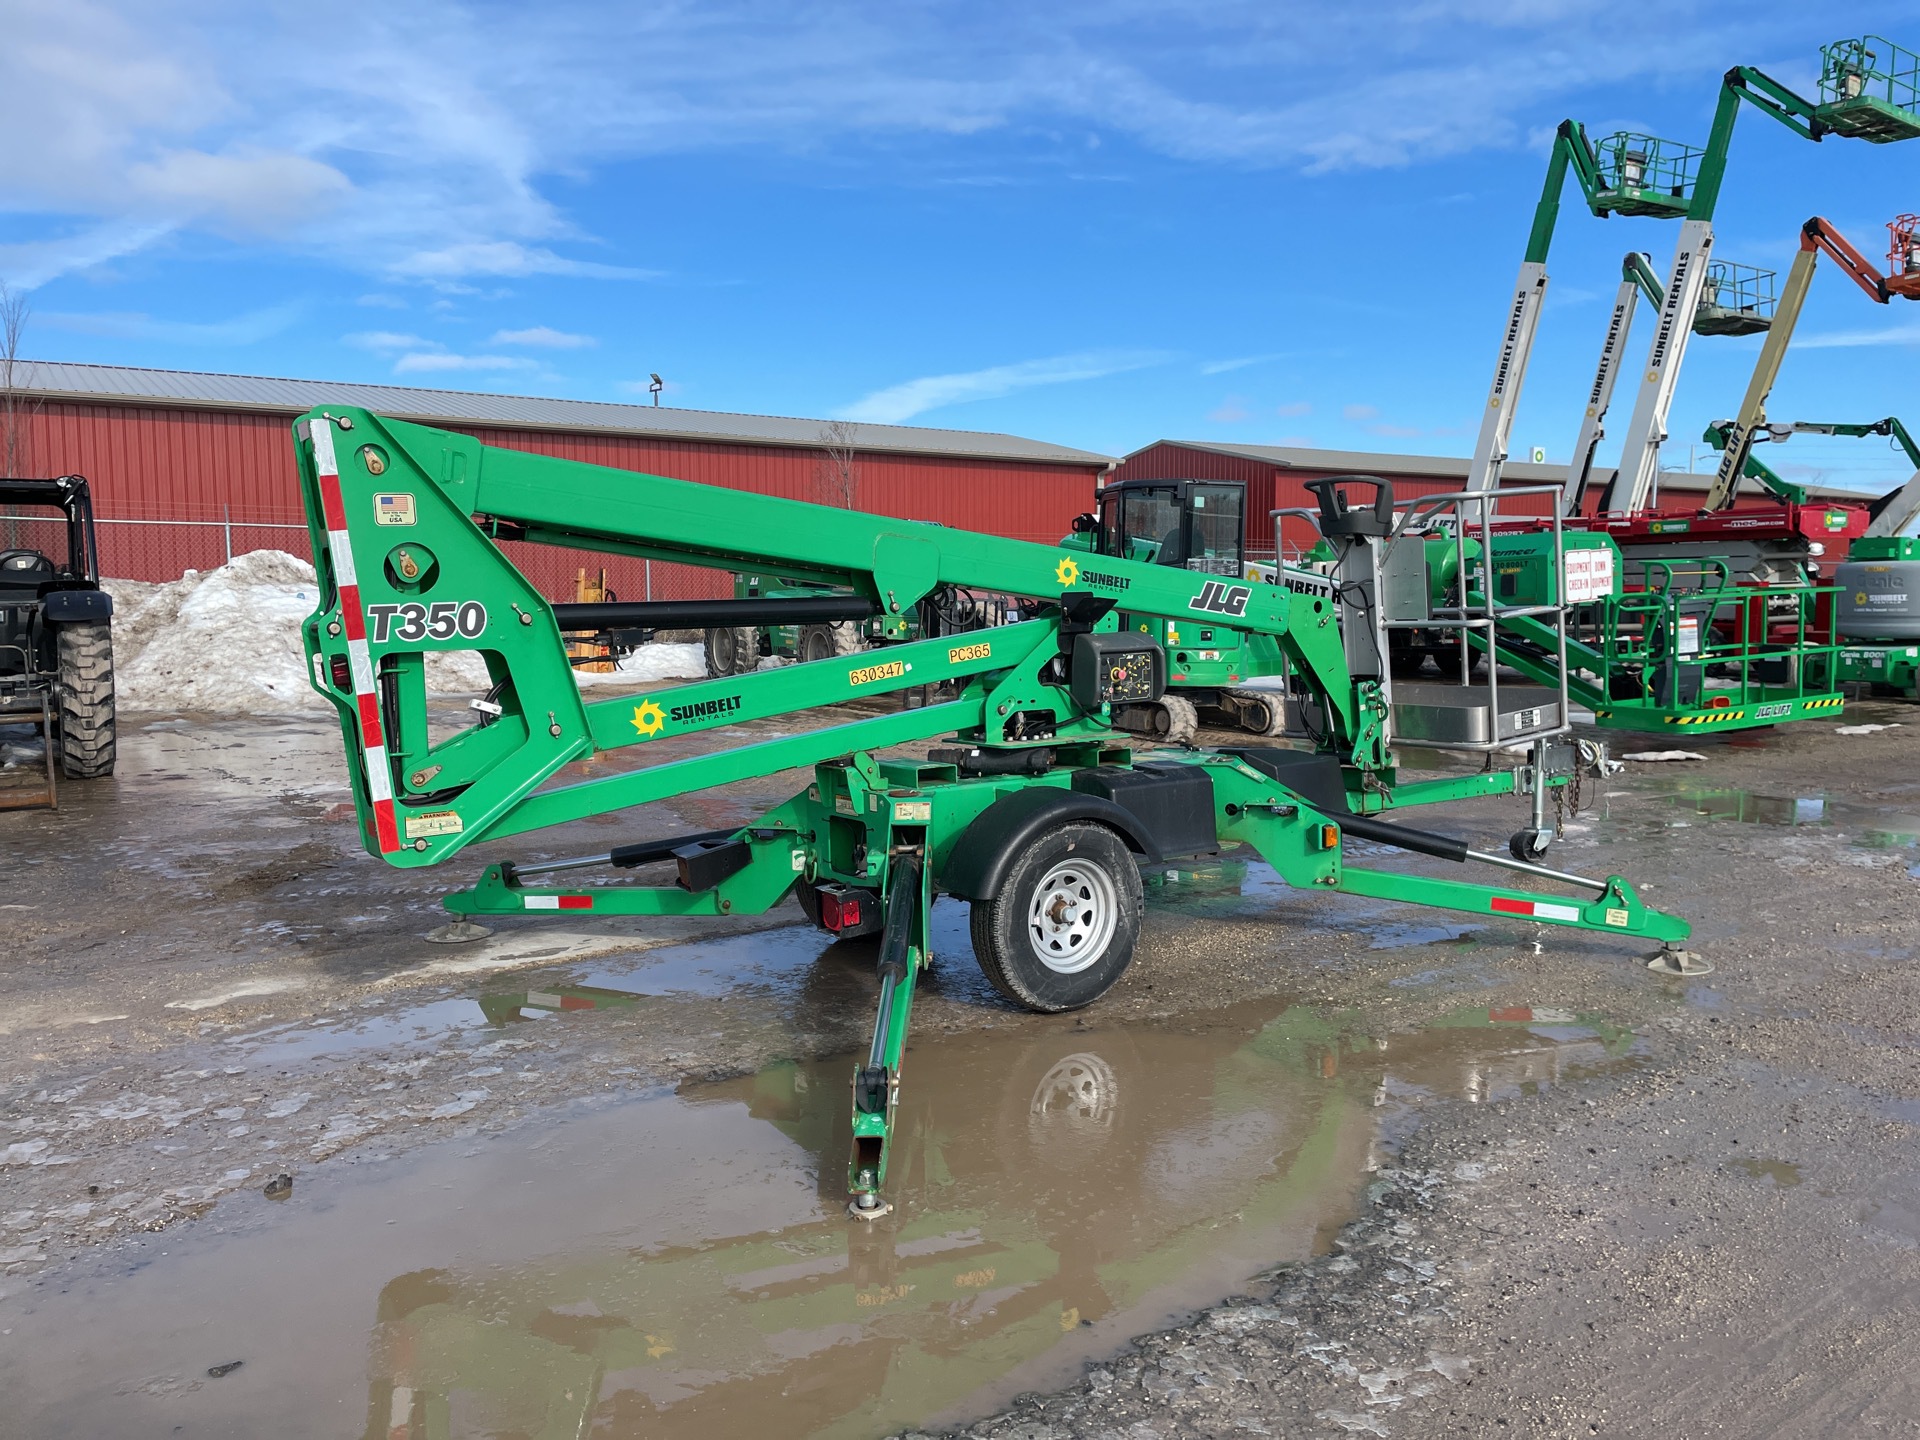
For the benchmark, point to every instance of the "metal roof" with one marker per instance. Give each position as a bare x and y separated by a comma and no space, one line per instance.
1454,467
123,384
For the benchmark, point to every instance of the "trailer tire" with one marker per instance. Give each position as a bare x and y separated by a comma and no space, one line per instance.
847,639
1063,926
87,730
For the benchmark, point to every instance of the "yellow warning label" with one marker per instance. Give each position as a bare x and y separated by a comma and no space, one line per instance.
868,674
434,822
1618,917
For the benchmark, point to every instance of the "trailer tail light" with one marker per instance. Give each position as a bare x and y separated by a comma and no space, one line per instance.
1329,837
839,910
342,674
1720,702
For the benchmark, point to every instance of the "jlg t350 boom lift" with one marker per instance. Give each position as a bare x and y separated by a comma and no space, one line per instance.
1035,810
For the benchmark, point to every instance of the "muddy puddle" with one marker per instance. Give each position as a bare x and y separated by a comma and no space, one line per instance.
680,1263
1869,826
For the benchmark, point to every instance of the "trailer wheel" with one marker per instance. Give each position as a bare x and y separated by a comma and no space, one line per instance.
847,638
1063,928
87,740
816,643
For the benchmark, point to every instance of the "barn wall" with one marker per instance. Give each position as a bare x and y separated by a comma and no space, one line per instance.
201,479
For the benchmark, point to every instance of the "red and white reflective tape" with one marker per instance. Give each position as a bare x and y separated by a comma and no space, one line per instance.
1538,909
557,902
373,741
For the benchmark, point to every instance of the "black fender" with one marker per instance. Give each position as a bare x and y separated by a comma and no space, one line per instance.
982,855
65,607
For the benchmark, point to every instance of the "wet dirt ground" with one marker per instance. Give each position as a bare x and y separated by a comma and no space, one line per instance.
1316,1166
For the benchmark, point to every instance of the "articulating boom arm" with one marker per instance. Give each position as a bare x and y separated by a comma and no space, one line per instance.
1841,110
1736,436
404,523
1636,279
1896,509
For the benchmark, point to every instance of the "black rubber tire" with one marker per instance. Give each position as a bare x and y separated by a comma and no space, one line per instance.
847,637
732,650
815,643
1521,846
87,739
1183,720
1006,951
1261,713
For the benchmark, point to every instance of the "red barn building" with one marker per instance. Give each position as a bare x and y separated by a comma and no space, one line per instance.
190,468
1275,477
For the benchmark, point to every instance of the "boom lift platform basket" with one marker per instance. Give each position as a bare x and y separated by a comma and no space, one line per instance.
1035,809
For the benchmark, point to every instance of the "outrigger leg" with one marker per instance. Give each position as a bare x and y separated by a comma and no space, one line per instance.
904,951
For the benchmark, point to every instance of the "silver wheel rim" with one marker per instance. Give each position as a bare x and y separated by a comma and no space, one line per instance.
1079,1095
1072,916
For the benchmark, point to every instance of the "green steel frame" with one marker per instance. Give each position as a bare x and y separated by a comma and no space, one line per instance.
1643,660
405,521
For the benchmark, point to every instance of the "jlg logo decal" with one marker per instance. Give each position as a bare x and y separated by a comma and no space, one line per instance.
1222,599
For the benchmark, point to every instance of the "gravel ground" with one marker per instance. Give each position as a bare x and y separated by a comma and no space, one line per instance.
1714,1240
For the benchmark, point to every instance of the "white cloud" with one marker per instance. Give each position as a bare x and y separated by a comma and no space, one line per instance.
1905,334
382,302
30,264
1294,407
902,402
541,337
415,362
249,190
1359,412
1221,367
247,329
505,257
444,119
386,340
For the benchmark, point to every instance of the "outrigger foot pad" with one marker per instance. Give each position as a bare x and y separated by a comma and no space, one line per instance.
458,932
868,1207
1679,962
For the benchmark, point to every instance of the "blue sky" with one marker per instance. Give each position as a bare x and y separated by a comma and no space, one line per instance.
1099,224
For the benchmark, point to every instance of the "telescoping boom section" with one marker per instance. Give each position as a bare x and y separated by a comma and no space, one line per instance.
1032,807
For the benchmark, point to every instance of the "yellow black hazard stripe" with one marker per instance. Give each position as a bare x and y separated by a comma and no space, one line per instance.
1730,717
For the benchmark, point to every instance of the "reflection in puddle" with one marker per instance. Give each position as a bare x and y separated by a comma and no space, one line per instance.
1782,1173
1873,826
682,1264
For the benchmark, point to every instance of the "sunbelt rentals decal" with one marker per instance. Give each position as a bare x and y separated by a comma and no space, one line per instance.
650,718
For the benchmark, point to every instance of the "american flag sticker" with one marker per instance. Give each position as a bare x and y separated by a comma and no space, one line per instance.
393,510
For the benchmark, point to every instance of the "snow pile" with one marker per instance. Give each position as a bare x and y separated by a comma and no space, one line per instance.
659,661
1864,729
227,641
220,641
1657,756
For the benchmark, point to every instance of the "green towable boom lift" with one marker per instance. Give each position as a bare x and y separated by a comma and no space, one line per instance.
1034,808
